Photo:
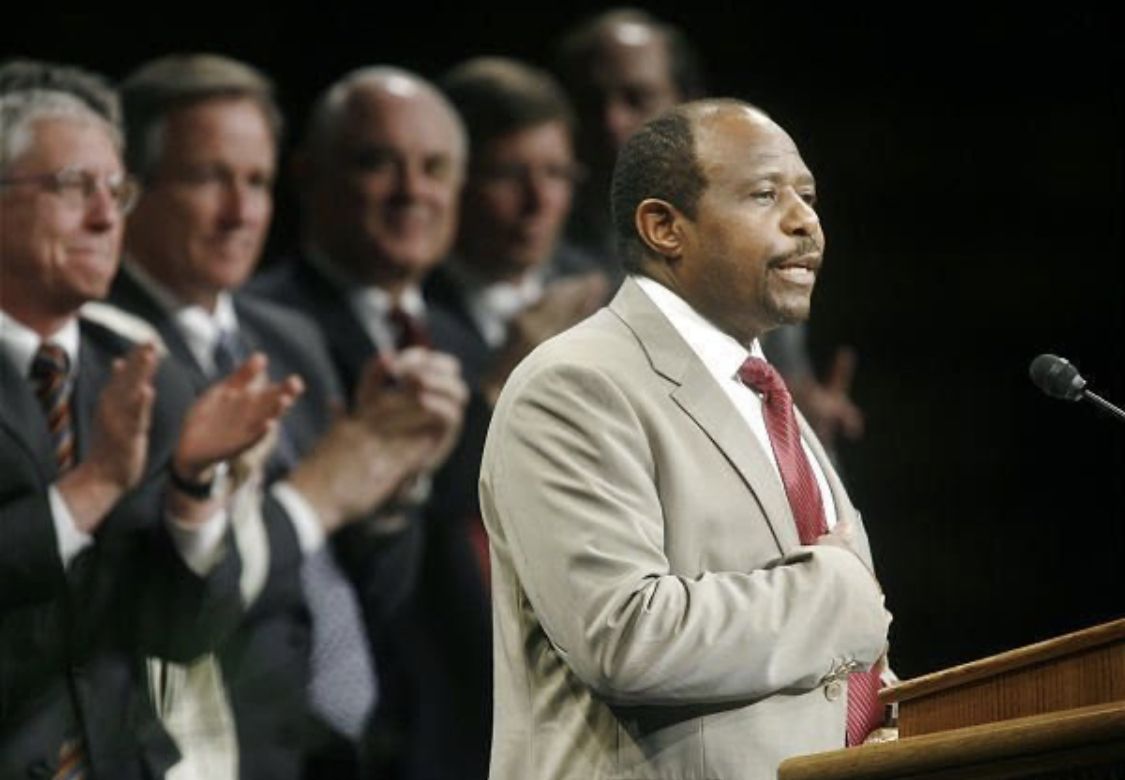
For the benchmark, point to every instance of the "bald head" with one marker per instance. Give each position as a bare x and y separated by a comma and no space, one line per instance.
363,94
383,165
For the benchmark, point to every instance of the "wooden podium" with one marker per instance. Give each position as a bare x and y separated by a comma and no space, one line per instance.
1045,710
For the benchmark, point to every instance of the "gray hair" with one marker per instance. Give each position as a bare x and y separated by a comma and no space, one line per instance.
93,89
163,85
21,110
330,109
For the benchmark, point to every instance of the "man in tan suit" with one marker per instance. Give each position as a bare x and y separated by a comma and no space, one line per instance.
681,586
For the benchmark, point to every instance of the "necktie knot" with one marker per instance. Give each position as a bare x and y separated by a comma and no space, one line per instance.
50,375
764,378
50,364
409,330
227,353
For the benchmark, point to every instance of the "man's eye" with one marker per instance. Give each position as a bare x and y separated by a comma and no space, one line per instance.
371,159
809,198
440,168
764,196
261,181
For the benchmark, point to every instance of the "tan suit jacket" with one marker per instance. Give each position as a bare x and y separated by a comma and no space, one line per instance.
655,615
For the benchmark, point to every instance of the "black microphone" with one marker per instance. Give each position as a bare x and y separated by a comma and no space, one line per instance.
1056,377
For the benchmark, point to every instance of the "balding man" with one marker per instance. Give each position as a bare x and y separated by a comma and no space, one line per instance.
380,172
681,585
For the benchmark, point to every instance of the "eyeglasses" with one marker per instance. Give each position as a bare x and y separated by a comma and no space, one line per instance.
75,186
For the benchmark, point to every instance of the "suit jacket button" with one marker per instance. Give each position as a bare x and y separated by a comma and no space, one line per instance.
833,690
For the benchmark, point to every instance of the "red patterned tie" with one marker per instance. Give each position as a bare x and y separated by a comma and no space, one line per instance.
865,713
409,331
50,377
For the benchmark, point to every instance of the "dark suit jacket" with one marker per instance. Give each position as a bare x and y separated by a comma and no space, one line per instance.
434,648
72,641
266,662
447,299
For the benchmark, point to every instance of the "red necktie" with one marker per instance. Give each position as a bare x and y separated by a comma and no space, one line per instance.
865,713
409,331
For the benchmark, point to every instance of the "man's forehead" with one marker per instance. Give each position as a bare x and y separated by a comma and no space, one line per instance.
744,134
374,108
54,136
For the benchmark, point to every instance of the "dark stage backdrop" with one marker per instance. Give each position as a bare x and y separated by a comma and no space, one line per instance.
970,169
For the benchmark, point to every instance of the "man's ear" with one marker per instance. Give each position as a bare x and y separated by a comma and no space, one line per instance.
660,227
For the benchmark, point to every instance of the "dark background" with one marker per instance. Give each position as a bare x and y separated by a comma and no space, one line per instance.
970,169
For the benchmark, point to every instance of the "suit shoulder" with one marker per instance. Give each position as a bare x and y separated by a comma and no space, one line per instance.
291,338
279,284
600,346
269,313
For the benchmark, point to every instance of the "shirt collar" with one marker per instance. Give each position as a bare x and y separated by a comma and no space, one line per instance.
371,304
493,305
721,353
198,327
20,343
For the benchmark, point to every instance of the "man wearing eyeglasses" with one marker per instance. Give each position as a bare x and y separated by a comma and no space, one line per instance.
104,554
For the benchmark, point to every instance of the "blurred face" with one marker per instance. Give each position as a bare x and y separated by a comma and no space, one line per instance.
630,82
751,256
201,223
59,248
383,199
516,200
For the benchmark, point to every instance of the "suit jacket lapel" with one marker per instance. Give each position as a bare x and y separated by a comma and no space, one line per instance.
22,416
347,338
131,297
93,373
695,391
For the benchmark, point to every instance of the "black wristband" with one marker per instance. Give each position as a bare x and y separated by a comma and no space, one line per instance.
197,490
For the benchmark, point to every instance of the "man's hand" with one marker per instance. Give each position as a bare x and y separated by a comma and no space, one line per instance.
564,303
828,407
231,417
433,380
118,441
407,415
352,470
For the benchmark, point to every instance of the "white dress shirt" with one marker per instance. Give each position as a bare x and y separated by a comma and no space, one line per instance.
198,544
722,355
371,305
493,305
200,330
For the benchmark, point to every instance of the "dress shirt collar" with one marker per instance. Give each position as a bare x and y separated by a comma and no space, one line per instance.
199,328
371,304
722,354
20,343
493,305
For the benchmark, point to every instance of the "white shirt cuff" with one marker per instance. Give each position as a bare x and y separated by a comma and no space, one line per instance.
71,540
306,523
200,544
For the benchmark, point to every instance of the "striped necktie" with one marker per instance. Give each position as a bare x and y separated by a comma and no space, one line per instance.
865,713
50,377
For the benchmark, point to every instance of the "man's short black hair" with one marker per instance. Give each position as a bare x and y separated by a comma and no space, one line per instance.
658,161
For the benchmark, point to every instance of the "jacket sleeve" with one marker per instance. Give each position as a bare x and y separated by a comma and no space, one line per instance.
570,488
